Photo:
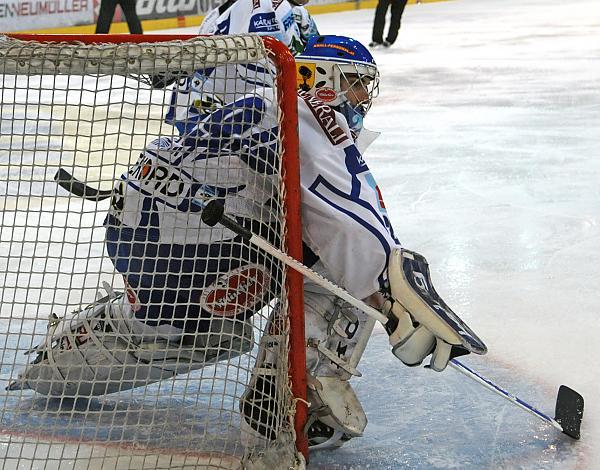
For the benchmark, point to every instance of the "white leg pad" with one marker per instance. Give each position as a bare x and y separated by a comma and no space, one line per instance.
336,334
104,349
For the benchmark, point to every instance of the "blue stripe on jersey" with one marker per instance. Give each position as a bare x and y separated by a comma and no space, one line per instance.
257,83
254,67
223,27
355,164
356,200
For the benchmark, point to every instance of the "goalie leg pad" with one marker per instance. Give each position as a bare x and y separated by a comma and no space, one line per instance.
336,333
259,404
335,414
100,351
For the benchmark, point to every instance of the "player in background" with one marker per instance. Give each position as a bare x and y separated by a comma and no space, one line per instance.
304,20
243,16
285,20
172,261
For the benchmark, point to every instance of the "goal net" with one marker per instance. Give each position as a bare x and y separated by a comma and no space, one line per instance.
134,335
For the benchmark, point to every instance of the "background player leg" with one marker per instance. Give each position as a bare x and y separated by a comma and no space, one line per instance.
397,10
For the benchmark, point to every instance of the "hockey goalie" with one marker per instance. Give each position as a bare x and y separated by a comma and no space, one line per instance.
168,321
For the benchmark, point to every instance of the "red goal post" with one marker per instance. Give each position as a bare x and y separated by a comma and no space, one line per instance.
285,83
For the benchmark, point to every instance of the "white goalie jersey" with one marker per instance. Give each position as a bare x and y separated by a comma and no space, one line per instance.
345,222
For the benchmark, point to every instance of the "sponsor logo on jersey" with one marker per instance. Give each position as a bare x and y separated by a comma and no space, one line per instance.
326,94
157,178
380,198
288,21
264,23
355,163
236,292
325,116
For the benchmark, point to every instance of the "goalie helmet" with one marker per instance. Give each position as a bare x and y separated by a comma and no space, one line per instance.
341,72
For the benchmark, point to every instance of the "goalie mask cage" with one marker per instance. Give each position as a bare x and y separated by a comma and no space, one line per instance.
88,105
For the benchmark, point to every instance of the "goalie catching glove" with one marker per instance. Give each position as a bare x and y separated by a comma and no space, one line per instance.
420,323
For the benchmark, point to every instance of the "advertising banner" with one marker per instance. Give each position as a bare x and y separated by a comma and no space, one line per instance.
30,15
19,15
157,9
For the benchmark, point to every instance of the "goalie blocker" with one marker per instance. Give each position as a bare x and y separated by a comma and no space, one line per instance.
420,323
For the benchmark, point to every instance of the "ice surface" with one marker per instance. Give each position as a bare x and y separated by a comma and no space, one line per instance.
488,162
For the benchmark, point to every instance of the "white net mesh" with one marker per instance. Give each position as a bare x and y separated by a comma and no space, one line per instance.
129,329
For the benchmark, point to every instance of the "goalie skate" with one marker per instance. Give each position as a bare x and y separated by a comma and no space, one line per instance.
103,349
411,286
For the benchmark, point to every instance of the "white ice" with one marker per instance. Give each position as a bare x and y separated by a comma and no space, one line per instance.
488,162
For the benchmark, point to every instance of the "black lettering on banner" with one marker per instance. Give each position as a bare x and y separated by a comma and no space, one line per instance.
153,9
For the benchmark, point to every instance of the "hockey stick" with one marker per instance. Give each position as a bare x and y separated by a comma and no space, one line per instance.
67,181
568,409
569,403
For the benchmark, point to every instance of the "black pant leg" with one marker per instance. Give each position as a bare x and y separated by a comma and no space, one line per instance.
105,16
379,22
397,10
133,21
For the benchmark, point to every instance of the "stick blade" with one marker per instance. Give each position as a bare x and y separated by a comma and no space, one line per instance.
68,182
569,411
